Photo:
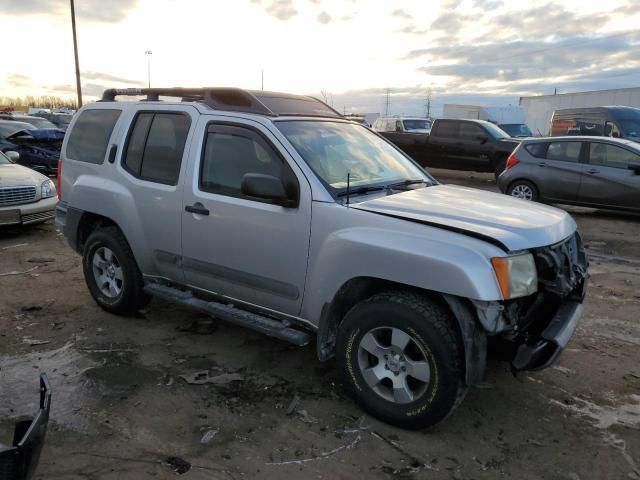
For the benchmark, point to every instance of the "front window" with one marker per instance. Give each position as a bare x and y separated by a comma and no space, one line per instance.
334,150
40,123
516,129
631,128
495,131
416,124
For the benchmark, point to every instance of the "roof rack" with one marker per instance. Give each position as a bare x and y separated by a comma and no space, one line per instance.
236,100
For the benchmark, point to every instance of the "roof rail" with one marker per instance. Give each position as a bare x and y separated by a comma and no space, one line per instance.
235,100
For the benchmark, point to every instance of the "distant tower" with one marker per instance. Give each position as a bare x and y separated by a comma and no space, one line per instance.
427,105
387,102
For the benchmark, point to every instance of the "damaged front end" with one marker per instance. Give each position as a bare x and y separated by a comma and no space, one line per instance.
536,328
38,149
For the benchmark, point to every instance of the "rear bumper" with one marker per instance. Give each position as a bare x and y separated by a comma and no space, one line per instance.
543,350
68,221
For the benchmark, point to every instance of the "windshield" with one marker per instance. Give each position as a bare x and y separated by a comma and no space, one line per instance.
3,159
516,129
416,124
334,150
630,128
495,131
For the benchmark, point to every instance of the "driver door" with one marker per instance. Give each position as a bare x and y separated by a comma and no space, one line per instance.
242,247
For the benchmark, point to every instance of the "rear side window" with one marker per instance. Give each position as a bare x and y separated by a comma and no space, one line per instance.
156,145
447,129
90,135
564,151
538,150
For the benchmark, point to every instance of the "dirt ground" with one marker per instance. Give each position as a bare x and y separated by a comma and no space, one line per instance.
122,410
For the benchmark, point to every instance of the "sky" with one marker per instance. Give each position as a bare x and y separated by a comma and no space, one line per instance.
350,52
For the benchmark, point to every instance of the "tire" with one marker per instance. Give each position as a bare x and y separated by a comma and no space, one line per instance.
111,272
523,189
433,342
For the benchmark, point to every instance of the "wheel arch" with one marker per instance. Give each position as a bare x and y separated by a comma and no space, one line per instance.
472,336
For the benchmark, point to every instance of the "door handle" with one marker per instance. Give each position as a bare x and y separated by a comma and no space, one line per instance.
593,170
112,153
542,164
197,208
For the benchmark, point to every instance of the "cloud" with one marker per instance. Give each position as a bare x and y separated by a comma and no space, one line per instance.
488,4
106,77
18,80
111,11
280,9
399,13
323,18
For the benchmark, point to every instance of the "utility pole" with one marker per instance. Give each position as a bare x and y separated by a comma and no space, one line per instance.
75,52
262,79
387,102
148,54
427,106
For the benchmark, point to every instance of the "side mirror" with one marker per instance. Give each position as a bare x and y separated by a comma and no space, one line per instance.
13,156
615,135
266,187
398,128
482,138
635,167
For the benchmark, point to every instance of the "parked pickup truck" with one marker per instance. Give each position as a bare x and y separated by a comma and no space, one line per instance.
272,211
458,144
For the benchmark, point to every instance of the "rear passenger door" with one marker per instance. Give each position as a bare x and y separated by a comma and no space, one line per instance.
607,180
559,170
152,162
444,146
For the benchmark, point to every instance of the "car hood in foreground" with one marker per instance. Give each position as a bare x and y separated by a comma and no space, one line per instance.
506,221
12,175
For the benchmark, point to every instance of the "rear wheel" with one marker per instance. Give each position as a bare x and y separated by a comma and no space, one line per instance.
524,190
111,272
402,359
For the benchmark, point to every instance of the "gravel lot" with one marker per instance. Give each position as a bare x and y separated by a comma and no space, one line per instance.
122,409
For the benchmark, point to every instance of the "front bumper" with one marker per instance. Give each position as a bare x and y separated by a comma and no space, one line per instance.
550,318
19,461
543,351
29,213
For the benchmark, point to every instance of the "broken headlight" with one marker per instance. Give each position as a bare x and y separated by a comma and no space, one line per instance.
516,275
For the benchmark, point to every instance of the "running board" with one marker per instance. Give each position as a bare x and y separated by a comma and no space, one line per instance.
231,314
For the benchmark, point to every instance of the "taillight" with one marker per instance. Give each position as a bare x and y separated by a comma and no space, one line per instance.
59,179
512,161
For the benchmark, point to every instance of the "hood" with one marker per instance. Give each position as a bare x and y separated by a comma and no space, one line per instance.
13,175
503,220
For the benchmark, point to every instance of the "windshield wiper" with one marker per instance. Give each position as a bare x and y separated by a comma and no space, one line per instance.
361,190
406,183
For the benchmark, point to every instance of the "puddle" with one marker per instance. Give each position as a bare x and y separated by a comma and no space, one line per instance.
65,368
605,416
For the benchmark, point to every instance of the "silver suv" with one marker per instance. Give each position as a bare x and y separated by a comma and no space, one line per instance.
272,211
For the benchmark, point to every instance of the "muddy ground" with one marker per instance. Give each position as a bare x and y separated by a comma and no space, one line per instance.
121,408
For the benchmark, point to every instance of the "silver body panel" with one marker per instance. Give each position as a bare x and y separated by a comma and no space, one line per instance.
293,261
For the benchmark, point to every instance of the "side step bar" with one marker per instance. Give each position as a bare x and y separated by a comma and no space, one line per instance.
231,314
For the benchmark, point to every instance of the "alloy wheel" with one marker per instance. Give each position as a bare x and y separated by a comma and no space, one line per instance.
107,272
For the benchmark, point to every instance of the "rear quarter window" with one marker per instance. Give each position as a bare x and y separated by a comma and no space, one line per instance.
90,135
538,150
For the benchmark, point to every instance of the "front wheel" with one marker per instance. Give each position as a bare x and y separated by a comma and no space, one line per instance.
402,359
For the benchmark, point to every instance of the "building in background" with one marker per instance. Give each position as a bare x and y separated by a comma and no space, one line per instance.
540,108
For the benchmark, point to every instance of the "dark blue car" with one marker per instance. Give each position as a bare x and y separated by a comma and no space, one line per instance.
38,149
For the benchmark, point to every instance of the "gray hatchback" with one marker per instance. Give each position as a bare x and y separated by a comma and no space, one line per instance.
598,172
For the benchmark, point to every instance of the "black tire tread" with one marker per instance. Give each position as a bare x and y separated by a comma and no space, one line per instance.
136,299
